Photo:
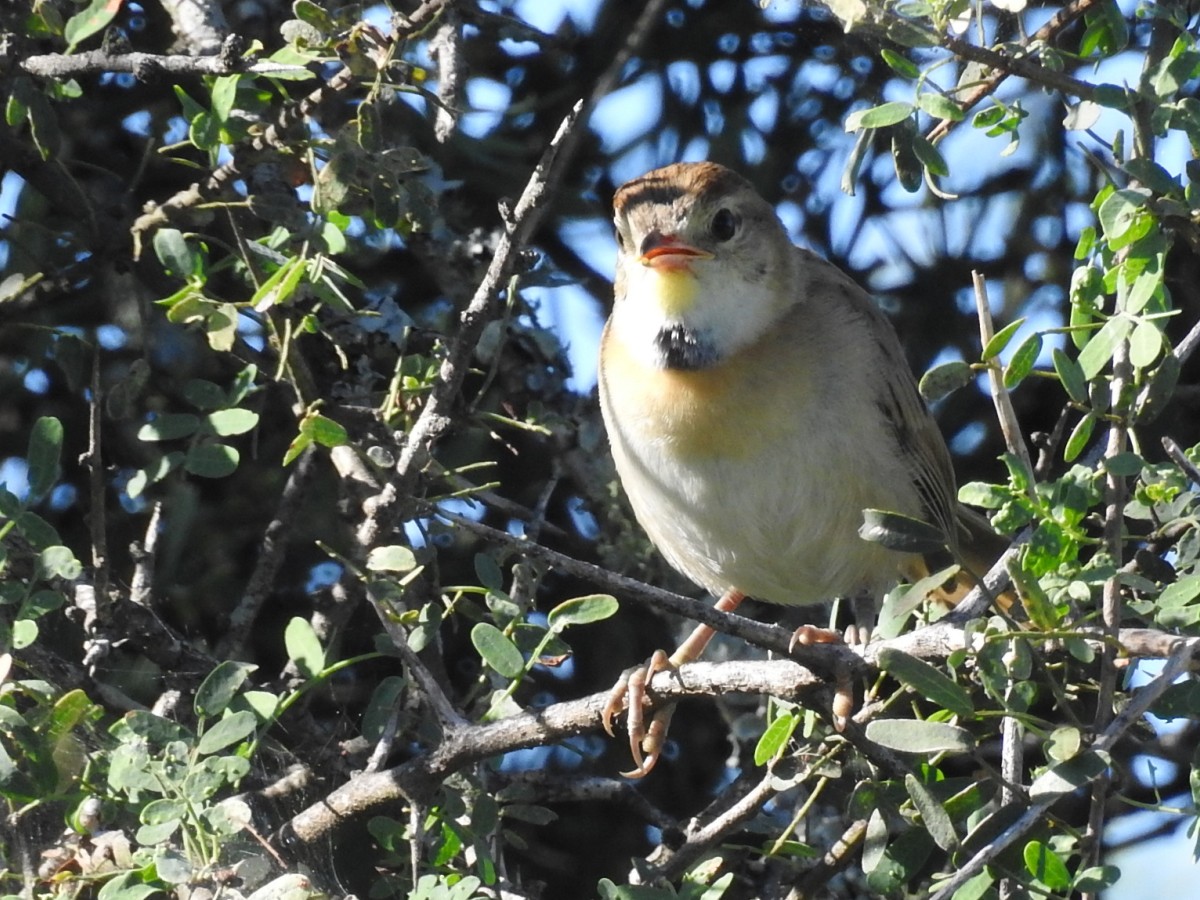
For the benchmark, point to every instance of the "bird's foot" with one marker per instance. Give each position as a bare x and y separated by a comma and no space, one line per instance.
843,690
645,743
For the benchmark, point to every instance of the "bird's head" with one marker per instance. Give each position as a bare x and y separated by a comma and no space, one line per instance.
704,267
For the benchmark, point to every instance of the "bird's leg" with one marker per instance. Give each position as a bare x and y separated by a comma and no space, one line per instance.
646,744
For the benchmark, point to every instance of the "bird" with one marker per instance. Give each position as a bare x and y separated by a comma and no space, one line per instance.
757,401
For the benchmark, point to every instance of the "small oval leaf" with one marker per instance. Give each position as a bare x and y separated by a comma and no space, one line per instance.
392,558
1001,338
917,736
581,611
1070,375
945,379
226,732
220,687
497,650
304,647
933,814
927,681
1068,776
899,532
775,738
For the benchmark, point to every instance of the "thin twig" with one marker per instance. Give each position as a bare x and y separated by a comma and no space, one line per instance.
1012,770
97,520
1116,492
1009,425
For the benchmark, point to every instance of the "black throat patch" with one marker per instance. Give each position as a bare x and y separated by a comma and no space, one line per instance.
682,348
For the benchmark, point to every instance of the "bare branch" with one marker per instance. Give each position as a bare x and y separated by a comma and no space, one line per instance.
145,65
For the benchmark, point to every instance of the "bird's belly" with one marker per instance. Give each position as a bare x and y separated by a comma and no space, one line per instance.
777,520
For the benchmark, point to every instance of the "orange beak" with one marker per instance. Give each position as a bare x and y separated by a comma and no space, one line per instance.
665,251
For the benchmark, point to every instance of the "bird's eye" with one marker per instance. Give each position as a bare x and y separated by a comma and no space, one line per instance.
621,242
724,224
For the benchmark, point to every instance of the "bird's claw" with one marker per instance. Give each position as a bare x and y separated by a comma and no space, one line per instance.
645,743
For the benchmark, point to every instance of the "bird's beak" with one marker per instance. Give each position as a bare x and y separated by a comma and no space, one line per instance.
666,251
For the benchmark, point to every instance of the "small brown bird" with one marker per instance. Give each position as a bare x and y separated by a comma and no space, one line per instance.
757,401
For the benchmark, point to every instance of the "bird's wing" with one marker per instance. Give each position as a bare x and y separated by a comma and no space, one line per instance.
919,440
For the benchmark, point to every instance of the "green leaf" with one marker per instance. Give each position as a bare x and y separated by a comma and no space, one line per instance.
230,730
299,444
304,647
1103,344
944,379
933,814
1064,743
917,736
1145,344
975,888
1078,440
487,570
243,384
927,681
901,65
169,427
323,431
497,650
1070,375
381,706
1001,339
879,116
59,562
1068,776
45,449
391,558
774,740
157,833
904,156
1181,593
220,687
204,394
211,460
581,611
224,96
83,25
1023,360
940,106
875,841
228,422
1043,864
1118,212
173,252
162,810
929,155
24,633
1124,464
314,15
1096,878
44,601
899,532
36,530
127,886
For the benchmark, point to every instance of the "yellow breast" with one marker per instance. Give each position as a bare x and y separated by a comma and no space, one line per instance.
703,413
